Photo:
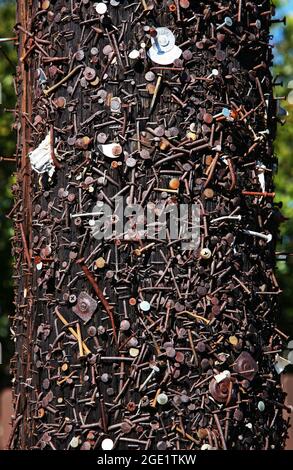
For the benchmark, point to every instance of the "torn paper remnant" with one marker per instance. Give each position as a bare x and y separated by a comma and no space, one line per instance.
41,159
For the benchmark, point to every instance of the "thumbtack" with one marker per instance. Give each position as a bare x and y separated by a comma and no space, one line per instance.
154,35
225,113
154,370
227,22
85,214
227,217
267,237
140,251
214,73
265,132
107,444
257,24
157,340
162,399
280,20
205,253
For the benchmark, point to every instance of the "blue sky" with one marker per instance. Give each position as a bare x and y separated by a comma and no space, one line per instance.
287,8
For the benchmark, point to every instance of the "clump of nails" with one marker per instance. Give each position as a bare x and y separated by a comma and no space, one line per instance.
137,344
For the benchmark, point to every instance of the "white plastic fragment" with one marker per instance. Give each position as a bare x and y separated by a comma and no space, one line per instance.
164,50
144,306
101,8
222,376
110,150
42,77
134,54
107,444
207,447
39,266
115,104
261,175
40,158
162,399
133,352
261,406
74,442
281,363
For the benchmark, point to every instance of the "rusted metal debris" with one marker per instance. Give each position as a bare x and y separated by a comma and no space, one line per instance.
138,344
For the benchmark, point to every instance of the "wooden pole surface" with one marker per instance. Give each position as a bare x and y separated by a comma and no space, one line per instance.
136,341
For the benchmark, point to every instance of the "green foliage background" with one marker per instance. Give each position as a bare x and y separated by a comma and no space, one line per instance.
8,59
283,148
284,178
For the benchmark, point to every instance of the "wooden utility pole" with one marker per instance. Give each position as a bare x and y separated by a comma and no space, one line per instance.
135,341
